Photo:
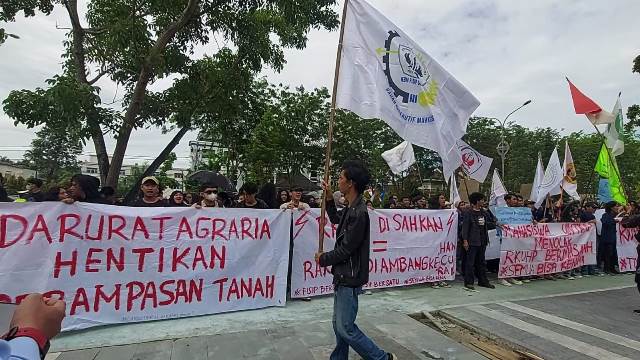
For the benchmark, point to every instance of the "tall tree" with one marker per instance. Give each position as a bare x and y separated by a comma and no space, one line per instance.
136,43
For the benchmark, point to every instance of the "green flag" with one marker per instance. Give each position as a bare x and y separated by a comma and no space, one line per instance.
609,170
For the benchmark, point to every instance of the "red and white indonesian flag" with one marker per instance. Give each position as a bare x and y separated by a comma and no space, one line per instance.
569,181
386,75
584,105
400,158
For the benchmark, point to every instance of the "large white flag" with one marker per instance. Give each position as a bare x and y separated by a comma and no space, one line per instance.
454,195
386,75
614,142
498,191
474,164
400,158
569,180
537,180
552,179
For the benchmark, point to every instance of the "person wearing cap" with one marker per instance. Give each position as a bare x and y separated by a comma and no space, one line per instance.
296,202
34,192
150,194
209,195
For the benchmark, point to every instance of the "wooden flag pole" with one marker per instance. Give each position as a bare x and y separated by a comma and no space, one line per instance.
332,115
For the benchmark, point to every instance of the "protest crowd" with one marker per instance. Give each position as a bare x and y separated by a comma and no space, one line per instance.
99,259
475,216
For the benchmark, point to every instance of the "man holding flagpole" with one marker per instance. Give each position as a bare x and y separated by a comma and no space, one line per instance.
349,262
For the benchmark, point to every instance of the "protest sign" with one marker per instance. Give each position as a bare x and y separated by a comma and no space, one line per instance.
493,249
542,249
407,247
118,264
626,246
513,215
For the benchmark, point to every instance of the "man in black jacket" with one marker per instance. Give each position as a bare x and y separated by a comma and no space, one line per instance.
475,237
349,261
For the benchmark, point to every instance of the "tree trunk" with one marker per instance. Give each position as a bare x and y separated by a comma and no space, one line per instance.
81,76
137,98
156,164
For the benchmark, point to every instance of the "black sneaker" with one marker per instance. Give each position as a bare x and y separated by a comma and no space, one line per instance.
488,286
470,287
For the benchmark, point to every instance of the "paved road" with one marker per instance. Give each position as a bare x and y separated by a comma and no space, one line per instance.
599,325
160,339
395,332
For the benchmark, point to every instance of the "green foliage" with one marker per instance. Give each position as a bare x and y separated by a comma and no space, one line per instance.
54,154
14,184
290,135
125,183
135,43
10,8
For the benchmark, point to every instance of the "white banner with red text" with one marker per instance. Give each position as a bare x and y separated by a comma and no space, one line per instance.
407,247
119,264
541,249
626,246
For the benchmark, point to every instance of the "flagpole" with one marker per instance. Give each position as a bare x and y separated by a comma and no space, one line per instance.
332,115
611,160
466,188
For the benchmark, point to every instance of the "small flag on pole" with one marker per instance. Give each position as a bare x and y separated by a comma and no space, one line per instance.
569,181
584,105
552,179
400,158
498,191
454,195
614,132
537,180
607,168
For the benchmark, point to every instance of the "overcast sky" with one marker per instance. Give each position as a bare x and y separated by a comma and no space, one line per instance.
505,52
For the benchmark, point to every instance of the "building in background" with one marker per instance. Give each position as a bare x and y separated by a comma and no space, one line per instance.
8,169
90,167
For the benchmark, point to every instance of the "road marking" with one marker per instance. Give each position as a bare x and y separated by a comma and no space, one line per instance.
537,297
616,339
560,339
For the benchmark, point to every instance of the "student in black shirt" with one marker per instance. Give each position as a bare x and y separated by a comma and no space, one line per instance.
150,194
84,188
35,193
177,199
476,223
249,200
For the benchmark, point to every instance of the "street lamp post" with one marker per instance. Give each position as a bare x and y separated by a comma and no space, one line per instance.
503,147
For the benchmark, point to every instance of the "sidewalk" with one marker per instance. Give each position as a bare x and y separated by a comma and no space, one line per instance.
408,300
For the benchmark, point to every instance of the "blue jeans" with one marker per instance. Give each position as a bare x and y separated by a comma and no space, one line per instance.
345,310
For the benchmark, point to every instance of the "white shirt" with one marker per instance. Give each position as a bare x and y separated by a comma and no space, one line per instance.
301,205
22,348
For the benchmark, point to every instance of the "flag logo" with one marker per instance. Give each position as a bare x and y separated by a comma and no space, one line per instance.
551,177
408,77
471,160
570,174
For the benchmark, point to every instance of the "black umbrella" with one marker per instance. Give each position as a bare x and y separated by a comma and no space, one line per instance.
213,178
